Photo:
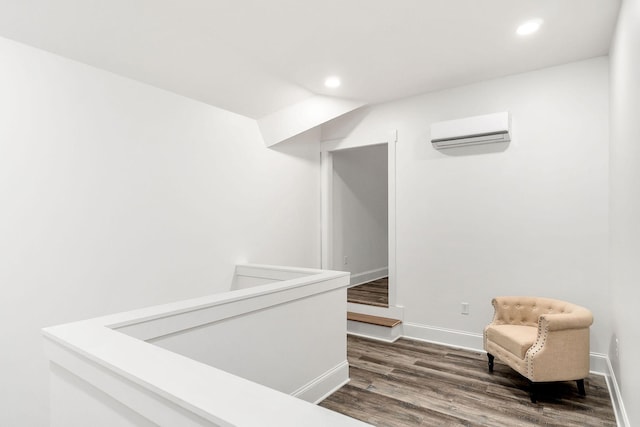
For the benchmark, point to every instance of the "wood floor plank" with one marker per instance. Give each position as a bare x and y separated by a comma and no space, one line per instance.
412,383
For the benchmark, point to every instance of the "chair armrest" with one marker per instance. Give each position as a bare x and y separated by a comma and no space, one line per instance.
579,319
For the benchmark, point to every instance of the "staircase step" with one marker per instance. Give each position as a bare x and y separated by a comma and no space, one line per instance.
373,320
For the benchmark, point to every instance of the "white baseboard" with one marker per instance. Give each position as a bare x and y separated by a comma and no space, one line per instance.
616,397
601,365
319,388
368,276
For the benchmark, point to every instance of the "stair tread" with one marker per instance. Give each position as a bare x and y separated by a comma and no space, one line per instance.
374,320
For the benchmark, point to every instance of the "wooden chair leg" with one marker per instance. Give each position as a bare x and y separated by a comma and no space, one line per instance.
581,387
532,392
490,357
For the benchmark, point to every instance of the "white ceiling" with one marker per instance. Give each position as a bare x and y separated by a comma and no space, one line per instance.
255,57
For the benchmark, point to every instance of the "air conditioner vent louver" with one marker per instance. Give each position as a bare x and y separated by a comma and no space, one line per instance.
486,129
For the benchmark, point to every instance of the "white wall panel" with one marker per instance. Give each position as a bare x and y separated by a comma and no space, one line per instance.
624,343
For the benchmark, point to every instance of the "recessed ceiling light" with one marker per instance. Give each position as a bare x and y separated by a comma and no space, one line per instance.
529,27
332,82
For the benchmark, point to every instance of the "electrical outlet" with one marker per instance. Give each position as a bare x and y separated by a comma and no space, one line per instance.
617,348
465,308
345,261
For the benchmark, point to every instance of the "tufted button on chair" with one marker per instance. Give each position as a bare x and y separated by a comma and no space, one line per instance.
543,339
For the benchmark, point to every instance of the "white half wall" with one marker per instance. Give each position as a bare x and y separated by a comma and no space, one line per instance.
247,357
624,343
360,212
117,195
278,347
530,217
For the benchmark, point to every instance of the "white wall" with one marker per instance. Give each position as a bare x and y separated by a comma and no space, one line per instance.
360,213
116,195
478,222
625,204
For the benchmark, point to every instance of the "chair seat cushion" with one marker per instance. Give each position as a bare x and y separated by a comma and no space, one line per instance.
516,339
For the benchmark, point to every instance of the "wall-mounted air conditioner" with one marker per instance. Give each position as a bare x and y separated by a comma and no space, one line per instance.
485,129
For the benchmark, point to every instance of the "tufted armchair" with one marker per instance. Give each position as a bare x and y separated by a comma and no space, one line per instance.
543,339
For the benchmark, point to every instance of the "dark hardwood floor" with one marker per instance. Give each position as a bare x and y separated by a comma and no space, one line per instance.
375,293
412,383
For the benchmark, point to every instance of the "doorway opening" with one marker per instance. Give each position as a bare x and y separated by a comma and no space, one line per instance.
360,221
359,217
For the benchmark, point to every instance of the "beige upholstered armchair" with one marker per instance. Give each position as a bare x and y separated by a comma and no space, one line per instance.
543,339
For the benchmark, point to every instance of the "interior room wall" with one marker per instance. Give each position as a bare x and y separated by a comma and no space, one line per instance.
484,221
625,205
117,195
360,210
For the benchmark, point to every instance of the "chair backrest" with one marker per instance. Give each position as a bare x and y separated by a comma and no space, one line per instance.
525,310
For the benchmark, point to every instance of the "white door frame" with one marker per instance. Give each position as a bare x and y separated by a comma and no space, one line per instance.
327,148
